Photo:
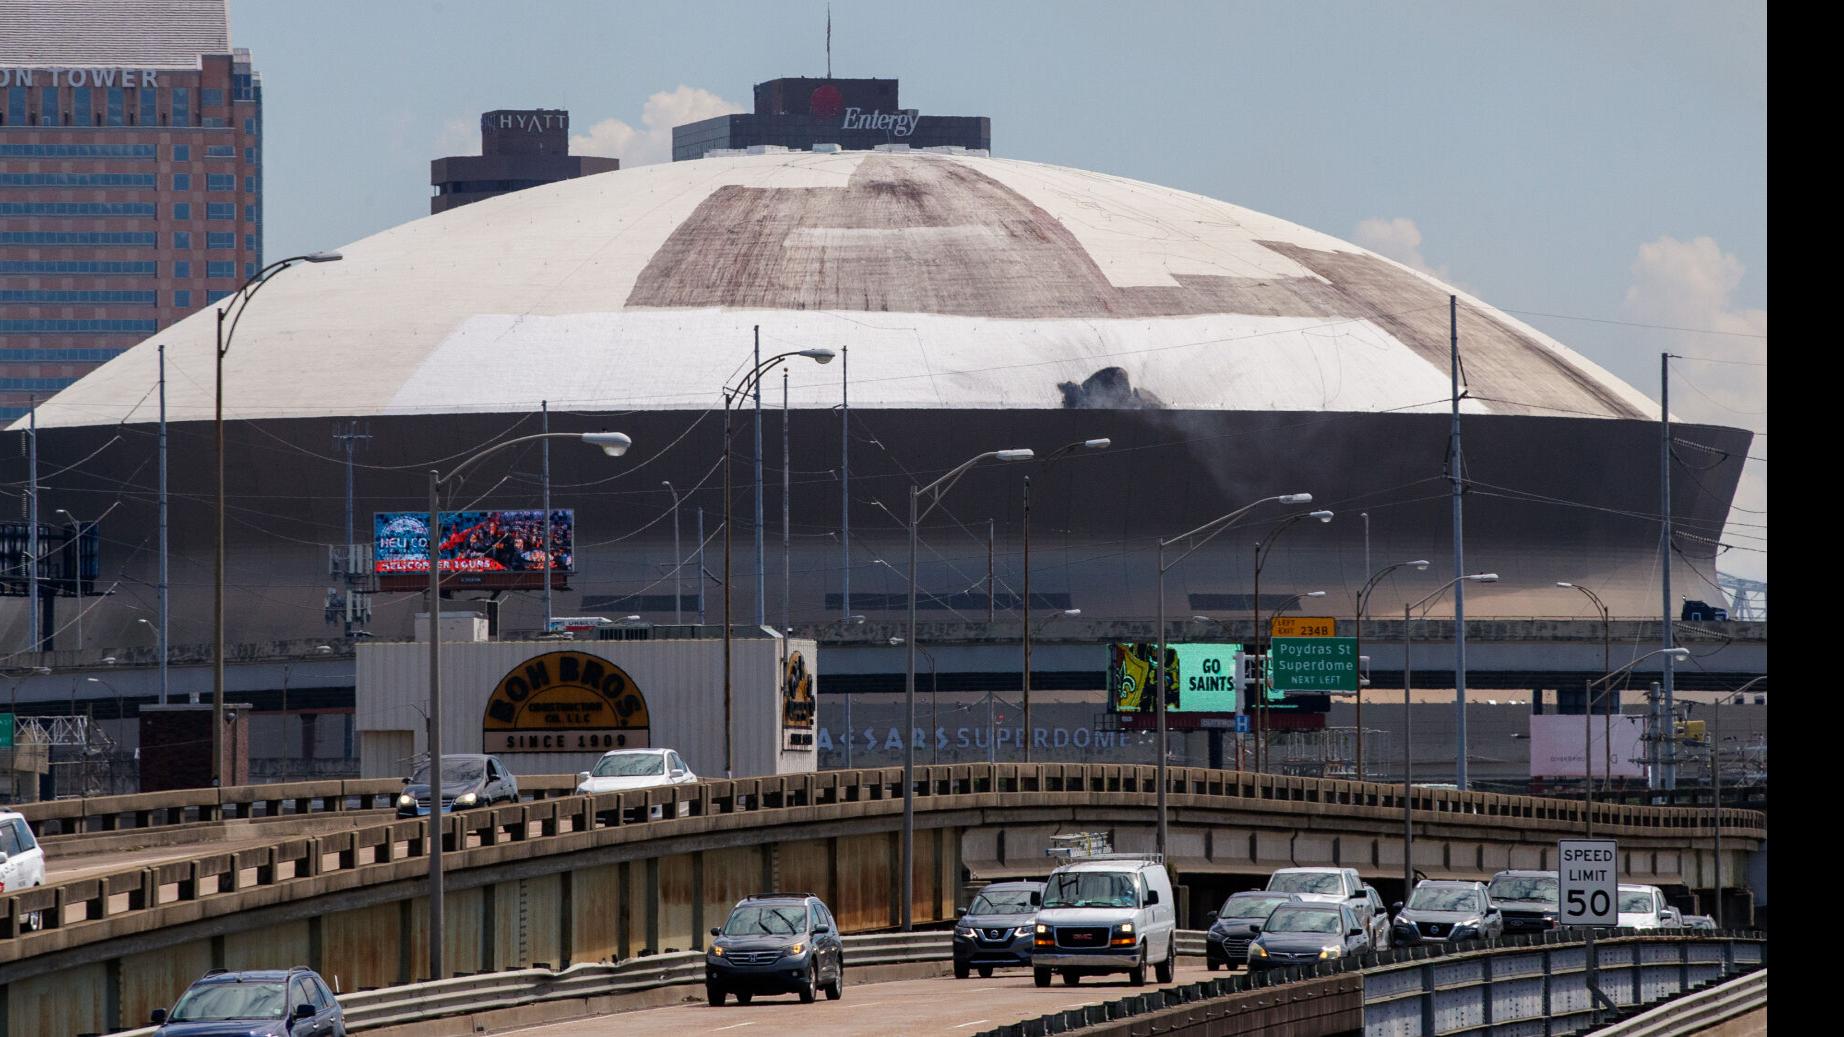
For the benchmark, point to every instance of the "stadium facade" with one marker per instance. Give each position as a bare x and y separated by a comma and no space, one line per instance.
981,304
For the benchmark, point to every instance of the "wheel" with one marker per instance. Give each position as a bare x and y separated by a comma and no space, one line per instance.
743,997
1071,977
836,989
961,970
1041,977
715,995
811,987
1163,971
985,971
1136,976
1210,965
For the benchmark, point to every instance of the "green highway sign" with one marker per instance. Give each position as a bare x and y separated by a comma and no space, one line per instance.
1314,663
6,730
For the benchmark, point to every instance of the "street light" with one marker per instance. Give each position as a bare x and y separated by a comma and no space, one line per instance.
1195,539
1363,600
1588,698
613,444
935,491
934,702
77,525
241,299
1408,768
1262,547
848,621
678,560
1594,689
731,394
1043,465
1716,779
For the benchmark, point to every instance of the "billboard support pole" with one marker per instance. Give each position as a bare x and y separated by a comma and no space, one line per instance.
434,837
32,627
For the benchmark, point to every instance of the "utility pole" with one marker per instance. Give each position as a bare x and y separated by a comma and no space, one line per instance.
761,571
787,620
1459,552
700,565
544,545
33,641
1669,773
991,594
348,438
161,350
845,485
1026,710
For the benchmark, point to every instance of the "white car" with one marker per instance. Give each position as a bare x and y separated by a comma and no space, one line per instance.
22,861
1642,907
625,769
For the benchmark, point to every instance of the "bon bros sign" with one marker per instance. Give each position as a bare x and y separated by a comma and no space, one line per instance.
565,702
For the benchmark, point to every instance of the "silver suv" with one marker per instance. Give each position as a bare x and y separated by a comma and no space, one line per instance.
1331,886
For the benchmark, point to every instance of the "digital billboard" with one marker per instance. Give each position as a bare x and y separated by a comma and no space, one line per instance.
497,543
1200,678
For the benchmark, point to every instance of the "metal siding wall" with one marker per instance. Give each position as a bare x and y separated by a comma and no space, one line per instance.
682,682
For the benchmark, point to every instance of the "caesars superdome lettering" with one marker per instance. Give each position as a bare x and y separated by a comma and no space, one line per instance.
565,702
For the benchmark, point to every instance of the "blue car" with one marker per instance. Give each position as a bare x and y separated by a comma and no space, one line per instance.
264,1003
468,781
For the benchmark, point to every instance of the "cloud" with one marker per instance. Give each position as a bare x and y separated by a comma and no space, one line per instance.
458,137
1691,285
1398,238
652,142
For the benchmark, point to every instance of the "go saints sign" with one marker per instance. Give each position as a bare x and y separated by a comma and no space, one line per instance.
565,702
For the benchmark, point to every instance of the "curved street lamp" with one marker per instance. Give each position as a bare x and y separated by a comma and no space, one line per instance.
1408,798
731,394
1262,547
240,300
1193,540
934,492
1588,698
613,444
1594,690
1363,600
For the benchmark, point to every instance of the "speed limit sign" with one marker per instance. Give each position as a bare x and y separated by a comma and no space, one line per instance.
1589,883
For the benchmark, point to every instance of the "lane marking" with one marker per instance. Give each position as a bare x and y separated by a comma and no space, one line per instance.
734,1026
976,1022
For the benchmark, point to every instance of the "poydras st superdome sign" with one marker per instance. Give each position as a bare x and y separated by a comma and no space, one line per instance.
565,702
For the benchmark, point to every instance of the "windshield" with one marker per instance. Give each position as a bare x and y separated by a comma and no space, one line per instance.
1438,898
629,765
1636,902
456,770
776,920
1250,907
1306,882
1002,902
1302,920
1091,889
230,1001
1524,887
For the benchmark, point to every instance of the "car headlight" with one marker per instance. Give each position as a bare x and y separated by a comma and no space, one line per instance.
406,800
717,952
1023,930
1256,950
466,799
1043,930
963,933
1125,927
794,951
1327,953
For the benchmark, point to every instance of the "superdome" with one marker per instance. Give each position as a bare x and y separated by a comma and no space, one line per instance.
983,303
959,282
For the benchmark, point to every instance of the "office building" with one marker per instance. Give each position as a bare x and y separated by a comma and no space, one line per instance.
853,114
130,179
518,149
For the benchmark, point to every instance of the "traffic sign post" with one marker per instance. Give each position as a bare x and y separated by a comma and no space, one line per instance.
1588,895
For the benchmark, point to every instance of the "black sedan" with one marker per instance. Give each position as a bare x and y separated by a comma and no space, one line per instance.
468,781
1301,934
1226,945
996,929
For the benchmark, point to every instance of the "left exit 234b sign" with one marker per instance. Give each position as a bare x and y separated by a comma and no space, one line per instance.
565,702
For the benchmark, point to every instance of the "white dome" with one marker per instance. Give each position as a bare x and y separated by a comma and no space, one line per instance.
957,282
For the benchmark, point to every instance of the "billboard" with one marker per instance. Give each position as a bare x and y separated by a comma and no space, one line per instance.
473,542
1199,678
1556,743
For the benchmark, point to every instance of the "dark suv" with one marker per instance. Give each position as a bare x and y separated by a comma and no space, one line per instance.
266,1003
1526,899
775,943
996,929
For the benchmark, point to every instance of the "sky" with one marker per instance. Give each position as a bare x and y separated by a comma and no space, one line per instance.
1599,170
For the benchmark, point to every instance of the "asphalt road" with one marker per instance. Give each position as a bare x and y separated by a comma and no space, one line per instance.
919,1006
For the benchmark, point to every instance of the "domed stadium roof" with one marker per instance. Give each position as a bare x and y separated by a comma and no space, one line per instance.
956,281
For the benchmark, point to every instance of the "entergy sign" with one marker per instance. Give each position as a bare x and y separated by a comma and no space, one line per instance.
1587,874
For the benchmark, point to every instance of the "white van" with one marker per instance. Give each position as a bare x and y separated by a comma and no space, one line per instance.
1105,914
22,862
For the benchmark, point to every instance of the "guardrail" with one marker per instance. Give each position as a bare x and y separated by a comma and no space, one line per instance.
148,810
463,995
133,900
1693,1013
1475,988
